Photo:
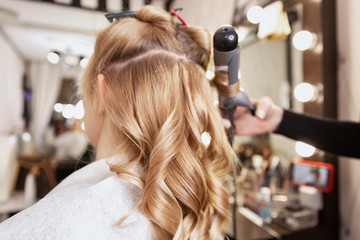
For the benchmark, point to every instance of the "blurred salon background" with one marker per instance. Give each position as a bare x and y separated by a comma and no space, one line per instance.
301,53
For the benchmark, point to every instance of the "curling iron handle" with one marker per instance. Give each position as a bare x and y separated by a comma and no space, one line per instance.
228,105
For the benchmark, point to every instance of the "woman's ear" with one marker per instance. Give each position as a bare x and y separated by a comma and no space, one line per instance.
101,93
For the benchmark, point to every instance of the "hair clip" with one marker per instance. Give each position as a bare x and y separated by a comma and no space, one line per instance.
175,13
127,14
111,16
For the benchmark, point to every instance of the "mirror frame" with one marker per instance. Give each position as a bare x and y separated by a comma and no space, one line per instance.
319,68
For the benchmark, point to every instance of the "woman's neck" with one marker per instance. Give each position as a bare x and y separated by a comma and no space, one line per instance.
106,145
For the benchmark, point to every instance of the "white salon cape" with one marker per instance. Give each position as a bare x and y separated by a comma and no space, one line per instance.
86,205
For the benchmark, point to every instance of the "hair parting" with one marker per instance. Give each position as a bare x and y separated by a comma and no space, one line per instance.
158,106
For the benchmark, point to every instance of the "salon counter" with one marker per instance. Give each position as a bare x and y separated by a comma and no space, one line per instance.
248,230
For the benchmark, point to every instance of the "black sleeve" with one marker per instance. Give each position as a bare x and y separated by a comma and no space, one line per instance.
342,138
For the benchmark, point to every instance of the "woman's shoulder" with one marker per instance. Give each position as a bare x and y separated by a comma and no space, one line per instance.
84,205
91,174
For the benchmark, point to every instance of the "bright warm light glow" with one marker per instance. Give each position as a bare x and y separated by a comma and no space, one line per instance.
210,75
304,92
206,138
71,60
304,150
239,74
84,62
79,110
26,136
280,198
83,126
13,139
68,111
242,32
254,14
53,57
58,107
311,191
272,21
303,40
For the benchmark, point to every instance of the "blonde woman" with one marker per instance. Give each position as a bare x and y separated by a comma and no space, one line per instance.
147,104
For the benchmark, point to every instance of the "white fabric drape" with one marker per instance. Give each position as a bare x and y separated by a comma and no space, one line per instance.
11,93
45,81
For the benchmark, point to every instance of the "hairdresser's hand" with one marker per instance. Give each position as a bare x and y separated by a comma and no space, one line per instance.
267,118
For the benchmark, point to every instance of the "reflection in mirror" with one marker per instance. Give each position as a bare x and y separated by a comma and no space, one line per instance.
264,69
271,66
315,174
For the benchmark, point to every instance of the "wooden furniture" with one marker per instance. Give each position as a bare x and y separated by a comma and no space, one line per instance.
250,231
39,164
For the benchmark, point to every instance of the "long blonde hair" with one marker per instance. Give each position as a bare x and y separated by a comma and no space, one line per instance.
157,100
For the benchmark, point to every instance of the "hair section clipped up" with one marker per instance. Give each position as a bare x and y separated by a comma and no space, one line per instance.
157,99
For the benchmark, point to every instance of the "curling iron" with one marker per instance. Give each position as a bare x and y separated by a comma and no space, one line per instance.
226,57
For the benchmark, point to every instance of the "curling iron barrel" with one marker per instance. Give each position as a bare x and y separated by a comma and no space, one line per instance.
226,52
226,58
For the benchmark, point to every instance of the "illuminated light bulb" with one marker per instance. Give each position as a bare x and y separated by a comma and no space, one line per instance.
83,126
205,138
26,136
68,111
304,92
53,57
254,14
210,75
58,107
79,110
71,60
12,139
242,32
84,62
304,150
303,40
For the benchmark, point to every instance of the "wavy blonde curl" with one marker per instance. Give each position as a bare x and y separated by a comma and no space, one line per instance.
157,98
